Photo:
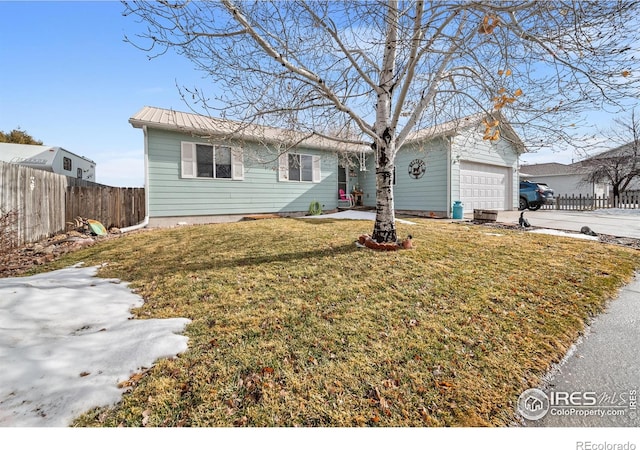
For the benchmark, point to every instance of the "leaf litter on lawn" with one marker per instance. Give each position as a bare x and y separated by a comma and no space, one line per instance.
293,325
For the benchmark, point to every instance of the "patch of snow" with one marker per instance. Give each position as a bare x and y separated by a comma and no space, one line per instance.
615,212
354,215
67,339
564,234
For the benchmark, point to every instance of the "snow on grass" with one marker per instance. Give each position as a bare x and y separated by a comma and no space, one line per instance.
67,339
615,212
354,215
564,234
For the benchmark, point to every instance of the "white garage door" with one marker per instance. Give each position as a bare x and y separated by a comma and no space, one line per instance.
483,186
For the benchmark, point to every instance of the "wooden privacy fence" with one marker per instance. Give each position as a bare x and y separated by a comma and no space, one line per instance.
44,202
112,206
627,200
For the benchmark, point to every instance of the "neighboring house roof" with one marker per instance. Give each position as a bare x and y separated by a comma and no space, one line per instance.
33,155
206,126
622,150
578,168
550,169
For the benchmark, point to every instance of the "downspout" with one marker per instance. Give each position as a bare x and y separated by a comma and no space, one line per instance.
515,180
449,186
145,221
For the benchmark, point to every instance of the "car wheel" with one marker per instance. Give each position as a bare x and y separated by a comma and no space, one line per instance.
535,207
523,204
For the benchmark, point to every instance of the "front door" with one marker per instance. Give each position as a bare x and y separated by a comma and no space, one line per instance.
342,180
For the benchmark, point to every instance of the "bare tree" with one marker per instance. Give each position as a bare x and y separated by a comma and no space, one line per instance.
620,166
383,69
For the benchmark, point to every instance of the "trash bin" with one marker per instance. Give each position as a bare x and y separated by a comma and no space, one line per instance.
457,209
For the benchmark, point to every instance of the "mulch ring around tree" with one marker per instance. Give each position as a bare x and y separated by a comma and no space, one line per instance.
366,241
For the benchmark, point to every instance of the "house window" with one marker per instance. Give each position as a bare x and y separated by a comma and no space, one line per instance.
211,161
299,167
66,163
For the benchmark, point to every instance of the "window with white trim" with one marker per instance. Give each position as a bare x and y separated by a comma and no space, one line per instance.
211,161
299,167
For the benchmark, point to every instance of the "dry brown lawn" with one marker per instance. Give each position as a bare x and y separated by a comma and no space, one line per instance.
293,325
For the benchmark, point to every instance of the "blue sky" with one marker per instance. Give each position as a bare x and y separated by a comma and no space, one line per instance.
69,79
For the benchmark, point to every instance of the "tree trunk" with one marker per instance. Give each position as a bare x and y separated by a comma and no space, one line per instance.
616,196
384,229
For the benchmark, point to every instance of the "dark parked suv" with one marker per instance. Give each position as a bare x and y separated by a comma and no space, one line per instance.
534,195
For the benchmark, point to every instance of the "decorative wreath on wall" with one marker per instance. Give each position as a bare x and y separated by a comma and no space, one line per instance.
315,208
417,168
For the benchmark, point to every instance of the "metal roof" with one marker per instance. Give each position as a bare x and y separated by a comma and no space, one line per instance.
209,127
453,127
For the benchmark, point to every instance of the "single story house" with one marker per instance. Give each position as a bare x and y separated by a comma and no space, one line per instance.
200,169
625,157
569,179
564,179
51,159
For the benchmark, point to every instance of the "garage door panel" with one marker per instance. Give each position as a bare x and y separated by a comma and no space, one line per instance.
484,186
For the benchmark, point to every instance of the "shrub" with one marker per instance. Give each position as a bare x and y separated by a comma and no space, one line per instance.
8,231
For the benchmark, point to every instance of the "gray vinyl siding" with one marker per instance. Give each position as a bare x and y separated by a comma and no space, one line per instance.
428,193
469,146
259,191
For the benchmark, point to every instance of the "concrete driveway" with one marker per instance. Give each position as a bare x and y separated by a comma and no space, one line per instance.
615,222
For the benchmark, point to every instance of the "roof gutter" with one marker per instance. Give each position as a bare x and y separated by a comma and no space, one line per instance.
145,221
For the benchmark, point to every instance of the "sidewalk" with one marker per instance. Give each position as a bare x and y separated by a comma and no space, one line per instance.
601,371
